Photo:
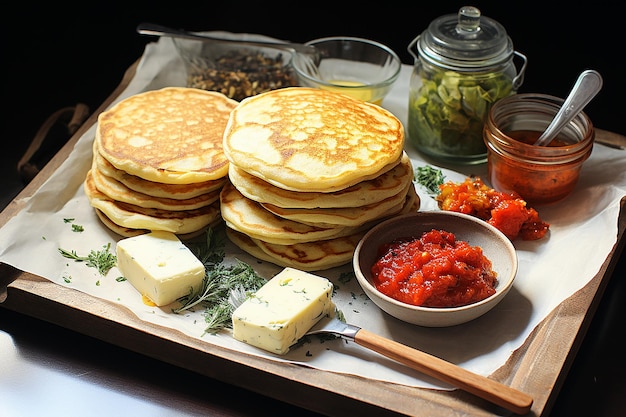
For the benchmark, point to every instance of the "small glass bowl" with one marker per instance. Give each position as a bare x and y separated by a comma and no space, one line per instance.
237,70
538,174
361,68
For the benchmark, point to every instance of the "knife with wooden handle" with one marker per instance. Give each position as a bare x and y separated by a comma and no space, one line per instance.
483,387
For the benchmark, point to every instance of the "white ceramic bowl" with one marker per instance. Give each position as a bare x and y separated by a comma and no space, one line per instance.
358,67
496,247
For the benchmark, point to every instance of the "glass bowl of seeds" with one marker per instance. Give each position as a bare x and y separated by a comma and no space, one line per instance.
236,69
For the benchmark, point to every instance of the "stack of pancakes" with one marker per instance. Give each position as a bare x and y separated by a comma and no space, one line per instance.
310,172
158,162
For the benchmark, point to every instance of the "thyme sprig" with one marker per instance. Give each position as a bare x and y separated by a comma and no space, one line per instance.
430,178
221,284
102,260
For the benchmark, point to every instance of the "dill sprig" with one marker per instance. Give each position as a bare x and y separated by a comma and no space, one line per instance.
430,178
221,284
102,260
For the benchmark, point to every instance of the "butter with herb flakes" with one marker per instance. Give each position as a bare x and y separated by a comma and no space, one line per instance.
283,310
159,266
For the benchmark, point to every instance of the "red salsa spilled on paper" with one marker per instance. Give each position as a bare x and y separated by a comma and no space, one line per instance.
507,212
435,270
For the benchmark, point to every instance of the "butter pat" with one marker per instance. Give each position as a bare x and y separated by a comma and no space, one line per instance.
159,266
283,310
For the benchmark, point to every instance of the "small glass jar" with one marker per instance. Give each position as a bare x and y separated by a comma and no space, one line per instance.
464,63
539,174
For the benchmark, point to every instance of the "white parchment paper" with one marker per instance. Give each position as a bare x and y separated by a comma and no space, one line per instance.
583,230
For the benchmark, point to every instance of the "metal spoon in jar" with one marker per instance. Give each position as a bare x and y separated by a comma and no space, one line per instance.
587,86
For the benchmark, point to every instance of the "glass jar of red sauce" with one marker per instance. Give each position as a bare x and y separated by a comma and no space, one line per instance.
539,174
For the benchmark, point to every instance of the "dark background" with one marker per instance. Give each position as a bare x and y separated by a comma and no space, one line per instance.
67,54
57,55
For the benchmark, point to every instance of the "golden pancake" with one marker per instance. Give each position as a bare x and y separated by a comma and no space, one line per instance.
344,216
119,192
120,230
156,189
172,135
247,216
128,232
310,256
135,217
390,183
413,202
312,140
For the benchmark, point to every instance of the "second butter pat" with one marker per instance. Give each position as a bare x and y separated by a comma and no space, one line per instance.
159,266
283,310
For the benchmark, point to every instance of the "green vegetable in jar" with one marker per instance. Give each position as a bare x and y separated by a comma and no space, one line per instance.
447,111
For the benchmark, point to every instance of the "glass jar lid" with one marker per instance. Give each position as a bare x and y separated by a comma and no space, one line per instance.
466,41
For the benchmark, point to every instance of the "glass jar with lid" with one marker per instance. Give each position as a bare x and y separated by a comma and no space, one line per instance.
463,64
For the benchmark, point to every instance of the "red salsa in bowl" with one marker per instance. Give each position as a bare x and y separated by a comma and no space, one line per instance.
428,267
434,270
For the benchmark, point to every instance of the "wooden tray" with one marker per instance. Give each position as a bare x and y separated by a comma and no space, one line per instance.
537,368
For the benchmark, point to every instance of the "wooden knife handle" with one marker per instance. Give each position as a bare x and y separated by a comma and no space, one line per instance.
485,388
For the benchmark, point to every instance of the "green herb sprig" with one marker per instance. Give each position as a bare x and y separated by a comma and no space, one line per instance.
430,178
224,287
102,260
211,251
75,227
